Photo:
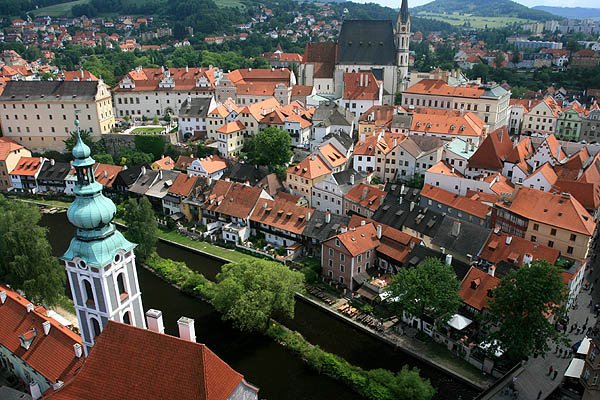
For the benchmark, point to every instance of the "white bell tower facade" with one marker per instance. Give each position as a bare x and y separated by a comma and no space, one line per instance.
402,37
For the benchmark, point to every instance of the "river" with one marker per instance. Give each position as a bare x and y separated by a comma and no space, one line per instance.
278,373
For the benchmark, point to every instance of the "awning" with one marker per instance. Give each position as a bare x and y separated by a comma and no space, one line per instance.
177,216
575,368
59,318
584,346
459,322
366,293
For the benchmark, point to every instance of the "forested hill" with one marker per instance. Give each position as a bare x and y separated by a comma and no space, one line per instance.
485,8
571,12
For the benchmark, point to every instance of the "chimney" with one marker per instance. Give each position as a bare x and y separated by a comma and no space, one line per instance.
29,307
365,193
308,215
46,325
327,217
456,228
186,329
492,270
3,297
360,80
448,259
402,189
443,250
78,350
143,170
52,161
508,240
352,179
379,231
527,259
34,389
343,229
412,205
187,69
366,80
155,321
363,222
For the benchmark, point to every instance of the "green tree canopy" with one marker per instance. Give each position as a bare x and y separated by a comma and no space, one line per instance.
431,288
249,293
150,144
131,157
141,226
26,260
520,308
270,146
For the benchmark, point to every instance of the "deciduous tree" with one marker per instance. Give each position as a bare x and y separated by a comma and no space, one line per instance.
141,226
249,293
26,260
270,146
431,288
521,307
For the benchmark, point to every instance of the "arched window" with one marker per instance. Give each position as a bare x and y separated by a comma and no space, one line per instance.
127,318
89,294
121,286
95,327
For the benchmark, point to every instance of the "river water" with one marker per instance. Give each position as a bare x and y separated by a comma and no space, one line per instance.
278,373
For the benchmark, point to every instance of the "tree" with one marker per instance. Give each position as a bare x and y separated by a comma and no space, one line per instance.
498,59
151,144
250,292
104,158
203,151
26,260
141,226
270,146
431,289
131,157
520,308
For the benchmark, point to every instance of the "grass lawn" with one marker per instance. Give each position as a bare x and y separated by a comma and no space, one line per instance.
147,131
49,203
228,254
57,10
440,354
475,21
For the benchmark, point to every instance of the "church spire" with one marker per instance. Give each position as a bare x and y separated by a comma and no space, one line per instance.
404,11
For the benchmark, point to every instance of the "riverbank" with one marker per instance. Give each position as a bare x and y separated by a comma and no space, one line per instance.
427,352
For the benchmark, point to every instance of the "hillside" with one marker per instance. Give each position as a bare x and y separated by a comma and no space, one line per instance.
571,12
483,8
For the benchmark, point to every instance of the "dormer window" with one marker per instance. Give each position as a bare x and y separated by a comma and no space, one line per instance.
26,339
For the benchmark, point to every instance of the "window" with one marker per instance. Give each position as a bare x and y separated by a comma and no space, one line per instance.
553,232
569,250
89,294
337,242
573,237
330,252
550,243
533,238
127,318
95,327
122,287
536,227
341,268
341,279
342,256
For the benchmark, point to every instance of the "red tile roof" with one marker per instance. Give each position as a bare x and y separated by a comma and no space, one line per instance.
131,363
231,127
106,174
27,166
359,239
588,194
366,196
447,122
366,147
475,287
461,203
148,79
164,163
183,162
237,201
282,214
441,88
213,163
310,168
360,86
7,146
562,211
183,185
493,151
496,250
51,355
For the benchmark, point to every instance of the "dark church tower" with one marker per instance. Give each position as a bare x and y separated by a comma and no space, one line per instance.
402,43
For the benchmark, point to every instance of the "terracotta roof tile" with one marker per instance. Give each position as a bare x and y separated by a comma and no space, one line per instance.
359,239
441,88
106,174
183,185
447,122
497,249
164,163
494,150
310,168
461,203
282,214
367,196
7,146
360,86
475,287
124,362
27,166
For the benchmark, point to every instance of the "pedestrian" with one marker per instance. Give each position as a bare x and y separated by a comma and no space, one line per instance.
539,395
587,319
556,350
554,376
550,370
591,302
560,352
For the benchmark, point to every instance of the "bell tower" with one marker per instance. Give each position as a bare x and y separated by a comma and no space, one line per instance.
100,262
402,43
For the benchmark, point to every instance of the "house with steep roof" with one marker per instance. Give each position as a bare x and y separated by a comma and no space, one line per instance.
52,176
376,119
363,157
288,119
328,195
568,125
490,156
135,354
543,178
363,199
192,116
183,186
542,118
550,150
303,176
34,347
516,167
10,154
447,125
282,222
212,167
558,221
448,178
24,175
220,115
461,239
476,290
228,208
165,162
318,66
252,85
349,254
360,91
416,154
463,208
231,139
330,118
